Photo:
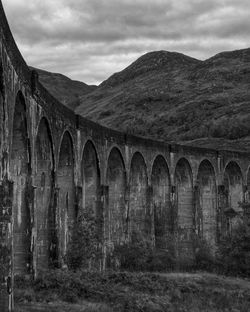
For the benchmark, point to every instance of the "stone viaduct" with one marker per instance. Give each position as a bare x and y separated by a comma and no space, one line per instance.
55,165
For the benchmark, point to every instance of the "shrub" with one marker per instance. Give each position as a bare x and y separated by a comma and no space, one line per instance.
4,260
233,254
139,255
161,260
204,258
84,250
133,255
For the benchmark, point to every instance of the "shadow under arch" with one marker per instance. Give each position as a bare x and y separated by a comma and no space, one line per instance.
185,211
160,181
139,209
91,180
233,182
206,216
115,217
233,195
46,245
67,212
20,170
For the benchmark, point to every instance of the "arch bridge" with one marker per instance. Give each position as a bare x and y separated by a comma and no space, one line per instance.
56,165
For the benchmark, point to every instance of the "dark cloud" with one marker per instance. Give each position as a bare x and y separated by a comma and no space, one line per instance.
91,39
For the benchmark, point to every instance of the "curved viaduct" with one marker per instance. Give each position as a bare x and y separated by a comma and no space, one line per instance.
56,165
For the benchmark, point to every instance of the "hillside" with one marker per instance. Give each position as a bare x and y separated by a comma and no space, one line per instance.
170,96
63,88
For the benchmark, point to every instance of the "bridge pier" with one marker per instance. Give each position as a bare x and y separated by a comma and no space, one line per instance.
198,213
6,246
103,228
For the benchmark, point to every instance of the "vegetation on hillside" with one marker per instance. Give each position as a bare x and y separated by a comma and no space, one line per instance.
64,89
170,96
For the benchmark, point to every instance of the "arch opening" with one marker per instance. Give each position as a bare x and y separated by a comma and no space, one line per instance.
185,210
233,183
207,202
46,242
66,193
91,180
160,181
20,169
116,215
139,210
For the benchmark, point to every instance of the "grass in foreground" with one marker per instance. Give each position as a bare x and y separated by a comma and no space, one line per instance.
122,291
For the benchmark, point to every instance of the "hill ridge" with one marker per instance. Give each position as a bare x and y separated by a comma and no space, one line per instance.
66,90
170,96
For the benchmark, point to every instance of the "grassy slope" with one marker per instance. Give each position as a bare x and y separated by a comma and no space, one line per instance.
63,88
135,292
171,96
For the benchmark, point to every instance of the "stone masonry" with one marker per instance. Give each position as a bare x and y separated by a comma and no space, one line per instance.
55,164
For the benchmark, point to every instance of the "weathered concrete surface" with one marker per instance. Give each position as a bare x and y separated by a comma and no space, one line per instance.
20,174
185,209
139,208
162,210
65,213
44,185
207,203
56,165
6,243
116,214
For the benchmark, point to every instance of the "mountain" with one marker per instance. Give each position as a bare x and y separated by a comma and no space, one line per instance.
173,97
63,88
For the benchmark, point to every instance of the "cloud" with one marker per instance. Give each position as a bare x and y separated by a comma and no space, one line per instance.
91,39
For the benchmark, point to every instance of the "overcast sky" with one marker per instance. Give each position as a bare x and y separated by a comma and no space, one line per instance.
89,40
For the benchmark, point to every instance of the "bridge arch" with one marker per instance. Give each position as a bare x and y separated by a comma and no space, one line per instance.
183,178
233,182
160,182
68,133
139,210
116,180
20,170
110,149
66,192
46,245
206,216
91,180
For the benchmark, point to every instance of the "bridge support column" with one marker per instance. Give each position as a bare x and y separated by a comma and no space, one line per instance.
102,205
29,196
245,194
149,216
222,205
127,220
174,219
53,228
247,214
6,243
78,201
198,214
